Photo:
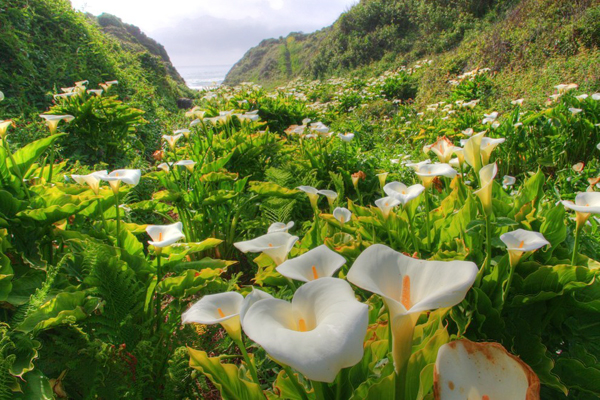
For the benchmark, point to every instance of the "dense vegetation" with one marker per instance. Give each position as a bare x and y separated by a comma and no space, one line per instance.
530,44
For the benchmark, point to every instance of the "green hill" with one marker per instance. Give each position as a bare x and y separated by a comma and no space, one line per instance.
531,44
45,44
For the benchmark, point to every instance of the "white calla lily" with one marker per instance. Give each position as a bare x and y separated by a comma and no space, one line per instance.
4,127
418,165
53,120
276,245
165,235
487,146
92,180
472,151
317,263
164,166
320,332
330,195
429,172
128,176
346,137
220,308
382,178
482,371
520,241
402,192
312,193
408,287
443,148
342,214
189,164
184,132
386,205
172,139
280,227
254,296
486,177
508,180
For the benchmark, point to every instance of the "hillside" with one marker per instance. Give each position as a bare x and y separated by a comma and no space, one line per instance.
527,42
45,44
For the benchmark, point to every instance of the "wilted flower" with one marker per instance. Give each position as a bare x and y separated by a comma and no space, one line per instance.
356,176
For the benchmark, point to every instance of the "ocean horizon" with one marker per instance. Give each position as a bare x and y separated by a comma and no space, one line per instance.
203,76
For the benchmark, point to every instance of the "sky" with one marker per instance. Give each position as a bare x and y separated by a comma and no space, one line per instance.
217,32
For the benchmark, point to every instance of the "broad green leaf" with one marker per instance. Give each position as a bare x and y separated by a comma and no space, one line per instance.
26,156
271,189
189,283
225,377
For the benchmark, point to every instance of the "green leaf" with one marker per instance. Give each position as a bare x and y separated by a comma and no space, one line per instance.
26,156
36,387
225,377
271,189
189,283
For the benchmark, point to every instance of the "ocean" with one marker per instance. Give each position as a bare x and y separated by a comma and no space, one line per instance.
202,76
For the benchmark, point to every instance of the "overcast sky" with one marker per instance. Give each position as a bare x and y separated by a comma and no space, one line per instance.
217,32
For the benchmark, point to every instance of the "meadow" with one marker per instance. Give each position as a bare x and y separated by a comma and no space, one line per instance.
323,240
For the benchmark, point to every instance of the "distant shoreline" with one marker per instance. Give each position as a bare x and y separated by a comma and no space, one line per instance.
198,77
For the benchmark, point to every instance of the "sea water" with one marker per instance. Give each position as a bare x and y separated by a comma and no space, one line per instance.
203,76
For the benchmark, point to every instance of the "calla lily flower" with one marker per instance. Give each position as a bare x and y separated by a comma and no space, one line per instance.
469,370
489,118
1,96
403,193
517,102
92,180
486,177
508,180
386,204
382,178
312,193
53,120
317,263
342,214
189,164
82,83
417,166
128,176
596,96
172,140
97,92
408,287
346,137
280,227
429,172
586,204
164,235
184,132
578,167
276,245
443,148
330,194
221,308
4,127
520,241
487,146
473,151
320,332
164,166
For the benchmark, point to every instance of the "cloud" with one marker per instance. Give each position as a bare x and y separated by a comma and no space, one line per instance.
215,32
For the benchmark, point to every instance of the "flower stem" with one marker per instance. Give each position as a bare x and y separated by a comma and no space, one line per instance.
320,390
576,245
412,233
102,215
118,219
299,388
488,242
158,297
429,241
242,347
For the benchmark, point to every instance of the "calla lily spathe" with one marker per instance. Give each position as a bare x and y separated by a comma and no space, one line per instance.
320,332
429,172
520,241
312,193
128,176
386,205
53,120
343,215
280,227
92,180
486,177
165,235
408,287
254,296
382,178
319,262
276,245
508,180
346,137
487,146
172,140
469,370
472,150
403,193
586,204
330,194
220,308
443,148
189,164
4,127
184,132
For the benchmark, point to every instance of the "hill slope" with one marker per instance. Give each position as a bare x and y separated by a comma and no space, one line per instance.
532,42
45,44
